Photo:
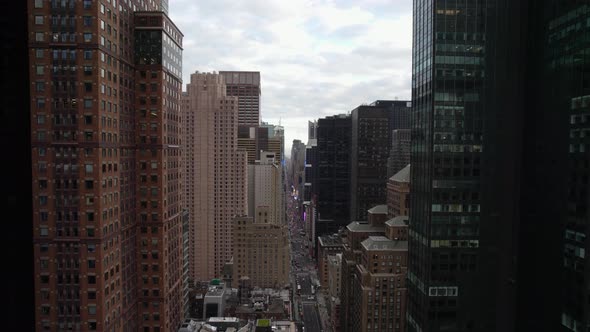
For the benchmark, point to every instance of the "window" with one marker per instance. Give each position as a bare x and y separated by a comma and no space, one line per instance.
38,19
43,231
87,70
89,168
87,103
39,36
92,280
39,53
92,309
38,3
40,119
40,69
87,4
87,21
87,37
40,86
87,54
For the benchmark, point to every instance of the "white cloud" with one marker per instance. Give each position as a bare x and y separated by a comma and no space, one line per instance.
316,57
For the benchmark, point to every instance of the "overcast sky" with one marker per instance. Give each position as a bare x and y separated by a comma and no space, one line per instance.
316,58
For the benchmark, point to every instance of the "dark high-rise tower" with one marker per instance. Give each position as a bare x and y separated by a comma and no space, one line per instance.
333,172
499,206
372,127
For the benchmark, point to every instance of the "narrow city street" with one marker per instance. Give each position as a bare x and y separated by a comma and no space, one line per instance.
307,306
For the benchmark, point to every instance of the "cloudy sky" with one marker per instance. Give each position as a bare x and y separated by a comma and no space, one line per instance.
316,57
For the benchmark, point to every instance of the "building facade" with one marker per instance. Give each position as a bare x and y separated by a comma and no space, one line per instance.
490,79
379,286
105,111
245,85
399,156
398,193
334,135
215,173
261,243
372,127
328,245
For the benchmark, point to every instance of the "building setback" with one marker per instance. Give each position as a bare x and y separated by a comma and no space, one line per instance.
372,127
106,180
216,186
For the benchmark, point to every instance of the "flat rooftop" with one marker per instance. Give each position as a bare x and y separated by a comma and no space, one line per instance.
383,243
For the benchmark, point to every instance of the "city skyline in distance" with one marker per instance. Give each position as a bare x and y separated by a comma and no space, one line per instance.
315,59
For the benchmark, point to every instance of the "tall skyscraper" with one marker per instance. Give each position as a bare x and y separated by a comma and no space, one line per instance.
488,225
105,91
246,86
216,180
334,135
372,127
447,138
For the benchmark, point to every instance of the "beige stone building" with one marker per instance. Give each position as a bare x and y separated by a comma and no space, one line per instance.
215,173
261,252
261,243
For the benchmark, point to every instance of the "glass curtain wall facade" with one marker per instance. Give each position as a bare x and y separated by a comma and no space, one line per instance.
448,78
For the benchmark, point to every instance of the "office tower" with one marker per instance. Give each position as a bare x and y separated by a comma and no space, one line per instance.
312,129
310,187
398,193
399,155
246,86
297,165
554,211
266,137
261,242
215,173
333,172
483,210
106,80
372,127
447,137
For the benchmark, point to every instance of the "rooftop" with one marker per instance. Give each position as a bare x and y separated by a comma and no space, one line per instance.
403,175
383,243
330,240
379,209
213,291
398,221
363,226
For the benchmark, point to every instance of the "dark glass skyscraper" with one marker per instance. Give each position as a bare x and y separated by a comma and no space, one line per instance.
447,136
499,210
333,172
